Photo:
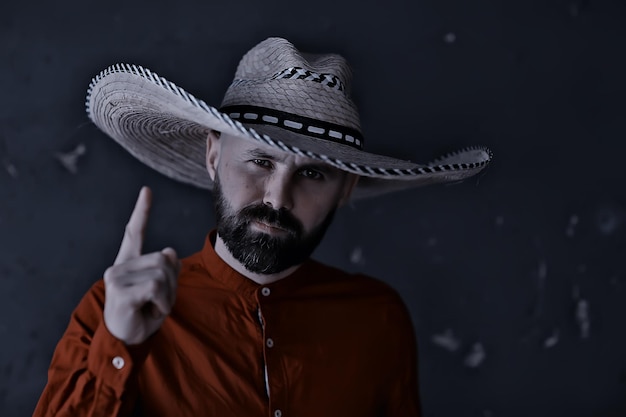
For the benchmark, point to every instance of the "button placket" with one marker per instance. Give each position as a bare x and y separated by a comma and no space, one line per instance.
265,371
265,299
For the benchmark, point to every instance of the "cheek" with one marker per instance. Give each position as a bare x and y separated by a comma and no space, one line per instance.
313,208
240,188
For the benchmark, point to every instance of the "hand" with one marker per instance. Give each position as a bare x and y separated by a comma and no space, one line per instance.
140,290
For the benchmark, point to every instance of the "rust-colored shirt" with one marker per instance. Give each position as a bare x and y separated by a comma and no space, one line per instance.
320,342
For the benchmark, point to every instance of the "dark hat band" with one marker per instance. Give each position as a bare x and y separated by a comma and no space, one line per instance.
295,123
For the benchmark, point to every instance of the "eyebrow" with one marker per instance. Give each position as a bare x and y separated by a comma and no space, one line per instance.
318,166
258,153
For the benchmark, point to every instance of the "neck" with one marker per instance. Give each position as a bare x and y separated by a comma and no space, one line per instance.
223,252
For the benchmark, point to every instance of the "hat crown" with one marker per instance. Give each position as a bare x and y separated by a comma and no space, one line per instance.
275,76
274,56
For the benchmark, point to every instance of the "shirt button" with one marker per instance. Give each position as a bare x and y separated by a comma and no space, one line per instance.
270,343
265,291
278,413
118,362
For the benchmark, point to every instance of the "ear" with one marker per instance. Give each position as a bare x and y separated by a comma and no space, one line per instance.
350,182
213,146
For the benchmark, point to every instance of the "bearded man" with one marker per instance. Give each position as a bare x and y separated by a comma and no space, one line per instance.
250,325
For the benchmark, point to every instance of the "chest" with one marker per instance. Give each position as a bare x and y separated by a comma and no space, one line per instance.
301,357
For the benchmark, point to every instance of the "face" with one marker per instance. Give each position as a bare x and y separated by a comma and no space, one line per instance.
272,207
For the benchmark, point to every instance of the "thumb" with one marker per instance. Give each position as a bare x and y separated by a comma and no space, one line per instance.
171,256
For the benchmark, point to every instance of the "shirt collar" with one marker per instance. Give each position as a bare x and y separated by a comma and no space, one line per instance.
229,278
221,272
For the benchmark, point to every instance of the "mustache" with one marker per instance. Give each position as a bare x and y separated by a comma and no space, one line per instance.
276,218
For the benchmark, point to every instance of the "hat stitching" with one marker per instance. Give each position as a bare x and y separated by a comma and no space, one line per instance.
328,80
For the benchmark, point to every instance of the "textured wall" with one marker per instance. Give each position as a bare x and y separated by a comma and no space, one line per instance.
515,280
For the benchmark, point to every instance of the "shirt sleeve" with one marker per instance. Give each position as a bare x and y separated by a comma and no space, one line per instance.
92,373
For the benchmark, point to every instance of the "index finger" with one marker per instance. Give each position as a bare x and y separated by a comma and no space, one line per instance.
134,232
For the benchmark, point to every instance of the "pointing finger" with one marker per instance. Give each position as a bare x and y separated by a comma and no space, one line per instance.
133,235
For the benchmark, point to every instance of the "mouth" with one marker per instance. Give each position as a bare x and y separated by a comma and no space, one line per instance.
270,229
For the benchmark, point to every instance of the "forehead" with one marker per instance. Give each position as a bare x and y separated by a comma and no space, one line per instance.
249,148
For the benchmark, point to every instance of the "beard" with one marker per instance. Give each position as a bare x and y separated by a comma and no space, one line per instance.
260,252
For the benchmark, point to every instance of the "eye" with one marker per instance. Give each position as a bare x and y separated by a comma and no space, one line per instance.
262,163
311,174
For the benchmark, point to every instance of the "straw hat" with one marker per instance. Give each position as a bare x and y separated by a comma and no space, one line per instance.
296,102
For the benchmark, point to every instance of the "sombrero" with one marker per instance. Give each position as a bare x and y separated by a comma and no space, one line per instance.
281,97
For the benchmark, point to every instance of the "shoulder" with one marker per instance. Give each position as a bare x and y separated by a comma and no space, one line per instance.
357,284
332,273
365,299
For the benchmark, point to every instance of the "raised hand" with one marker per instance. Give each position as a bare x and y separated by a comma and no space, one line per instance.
140,290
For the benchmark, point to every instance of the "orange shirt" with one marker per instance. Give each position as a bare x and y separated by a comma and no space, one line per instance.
320,342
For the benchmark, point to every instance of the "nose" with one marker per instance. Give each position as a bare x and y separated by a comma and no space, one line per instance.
278,192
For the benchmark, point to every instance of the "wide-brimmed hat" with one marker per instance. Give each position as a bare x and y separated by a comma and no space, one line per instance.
296,102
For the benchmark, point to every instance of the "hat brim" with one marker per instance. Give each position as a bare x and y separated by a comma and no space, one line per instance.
166,128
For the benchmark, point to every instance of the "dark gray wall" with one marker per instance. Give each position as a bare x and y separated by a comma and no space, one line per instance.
505,260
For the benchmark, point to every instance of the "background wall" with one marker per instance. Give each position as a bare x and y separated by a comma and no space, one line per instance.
515,279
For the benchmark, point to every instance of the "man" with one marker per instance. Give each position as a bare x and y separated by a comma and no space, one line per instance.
249,325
